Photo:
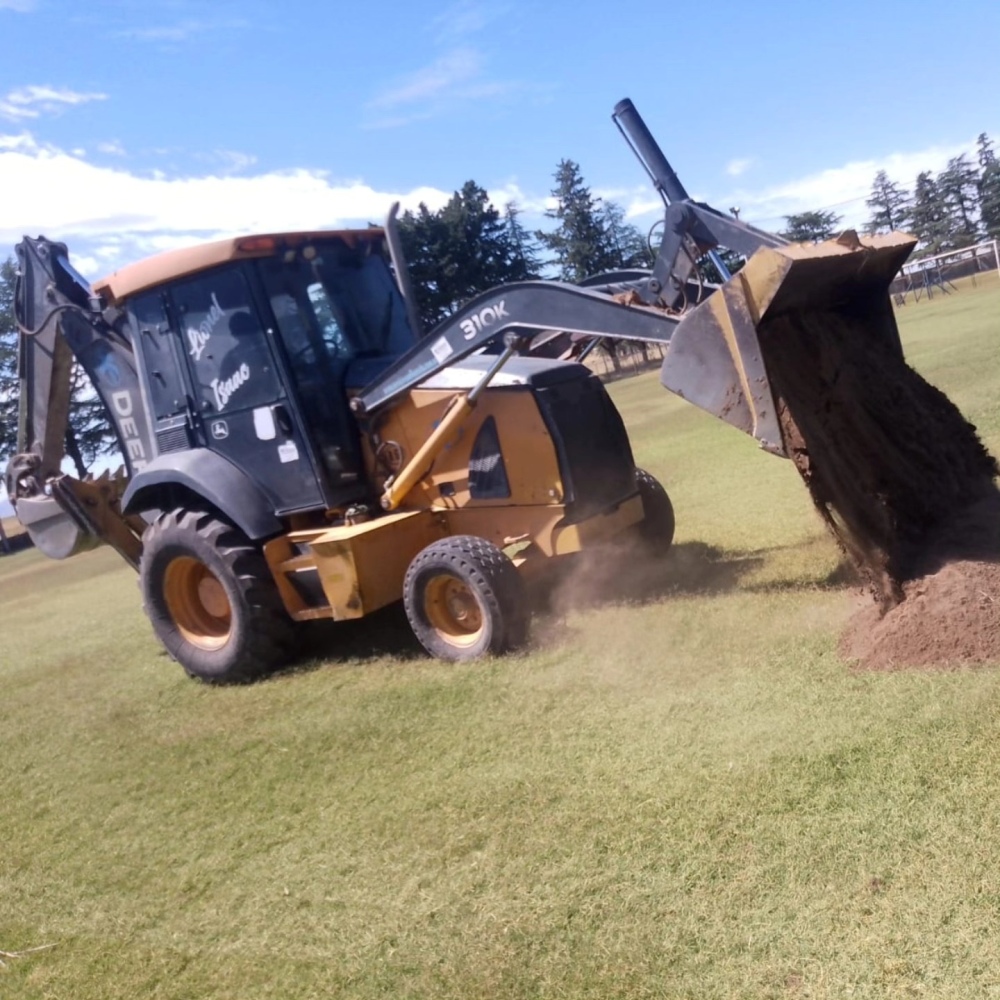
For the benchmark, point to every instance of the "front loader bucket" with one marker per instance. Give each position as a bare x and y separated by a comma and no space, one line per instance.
800,350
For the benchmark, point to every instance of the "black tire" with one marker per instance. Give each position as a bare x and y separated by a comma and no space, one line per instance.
465,599
656,530
211,599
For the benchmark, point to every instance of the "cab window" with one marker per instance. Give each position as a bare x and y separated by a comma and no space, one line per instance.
223,338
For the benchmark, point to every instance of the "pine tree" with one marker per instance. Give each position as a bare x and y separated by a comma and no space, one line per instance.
811,227
988,187
580,244
889,204
462,250
525,250
958,185
929,214
627,245
423,239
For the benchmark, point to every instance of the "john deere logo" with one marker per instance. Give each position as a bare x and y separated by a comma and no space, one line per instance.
220,430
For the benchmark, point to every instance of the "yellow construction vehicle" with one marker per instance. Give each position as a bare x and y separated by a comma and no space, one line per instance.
296,448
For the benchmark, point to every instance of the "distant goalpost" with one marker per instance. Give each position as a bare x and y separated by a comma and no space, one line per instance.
938,273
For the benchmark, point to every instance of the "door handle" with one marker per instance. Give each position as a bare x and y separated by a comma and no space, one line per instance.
283,419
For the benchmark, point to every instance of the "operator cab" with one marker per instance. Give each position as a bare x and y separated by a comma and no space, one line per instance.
248,347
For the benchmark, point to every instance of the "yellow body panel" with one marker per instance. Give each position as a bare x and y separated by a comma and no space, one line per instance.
528,452
361,566
356,569
574,537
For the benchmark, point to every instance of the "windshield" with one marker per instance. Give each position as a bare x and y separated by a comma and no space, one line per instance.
333,303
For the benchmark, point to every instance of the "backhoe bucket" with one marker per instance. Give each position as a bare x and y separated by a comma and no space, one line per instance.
800,350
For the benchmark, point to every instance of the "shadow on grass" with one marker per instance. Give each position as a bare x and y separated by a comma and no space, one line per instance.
628,574
354,643
604,576
841,576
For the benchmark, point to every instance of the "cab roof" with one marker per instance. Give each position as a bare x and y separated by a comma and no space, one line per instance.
174,264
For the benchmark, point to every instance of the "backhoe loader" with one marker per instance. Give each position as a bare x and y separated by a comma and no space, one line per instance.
296,447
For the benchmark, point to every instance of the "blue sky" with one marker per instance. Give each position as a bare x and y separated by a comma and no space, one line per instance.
129,126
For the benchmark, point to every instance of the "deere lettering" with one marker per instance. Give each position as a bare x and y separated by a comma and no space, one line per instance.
487,316
131,437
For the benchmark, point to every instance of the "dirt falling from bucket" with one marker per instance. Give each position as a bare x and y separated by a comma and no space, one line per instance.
905,485
890,462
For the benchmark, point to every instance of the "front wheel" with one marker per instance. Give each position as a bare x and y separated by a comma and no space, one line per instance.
656,530
465,599
211,598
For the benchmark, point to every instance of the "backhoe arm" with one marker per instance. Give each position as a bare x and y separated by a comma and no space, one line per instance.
61,320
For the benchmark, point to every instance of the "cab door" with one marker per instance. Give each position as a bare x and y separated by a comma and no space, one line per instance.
241,404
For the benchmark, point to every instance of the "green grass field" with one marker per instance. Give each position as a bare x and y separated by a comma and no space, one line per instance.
685,794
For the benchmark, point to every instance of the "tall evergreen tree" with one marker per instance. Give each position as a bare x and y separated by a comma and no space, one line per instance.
465,248
579,244
889,204
524,247
627,246
811,227
958,186
929,214
988,187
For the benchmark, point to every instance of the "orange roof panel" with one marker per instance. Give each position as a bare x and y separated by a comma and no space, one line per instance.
173,264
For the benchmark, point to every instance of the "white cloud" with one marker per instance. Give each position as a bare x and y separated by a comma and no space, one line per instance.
229,161
34,101
467,17
109,215
530,204
441,77
452,80
20,6
112,148
739,166
842,190
112,216
179,32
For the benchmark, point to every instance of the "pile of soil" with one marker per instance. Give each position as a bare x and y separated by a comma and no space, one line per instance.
950,618
901,479
950,614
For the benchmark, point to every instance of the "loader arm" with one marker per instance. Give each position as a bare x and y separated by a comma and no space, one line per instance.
523,309
691,229
61,320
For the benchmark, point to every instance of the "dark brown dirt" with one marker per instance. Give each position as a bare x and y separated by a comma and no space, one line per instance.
948,619
902,481
891,464
950,615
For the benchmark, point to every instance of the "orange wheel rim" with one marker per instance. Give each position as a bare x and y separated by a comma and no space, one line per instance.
453,610
198,603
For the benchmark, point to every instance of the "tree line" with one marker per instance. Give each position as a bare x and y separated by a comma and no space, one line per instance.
470,245
957,208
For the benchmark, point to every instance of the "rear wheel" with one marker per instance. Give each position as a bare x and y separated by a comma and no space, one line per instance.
465,599
656,530
211,598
